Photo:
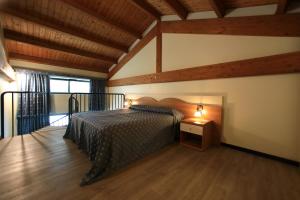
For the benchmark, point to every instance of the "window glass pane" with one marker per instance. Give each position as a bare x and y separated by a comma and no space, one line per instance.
79,86
58,85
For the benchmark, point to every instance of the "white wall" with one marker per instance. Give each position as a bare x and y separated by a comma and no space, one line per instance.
142,63
184,51
261,113
8,86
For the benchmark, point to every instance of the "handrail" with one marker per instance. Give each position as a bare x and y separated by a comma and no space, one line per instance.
116,101
107,101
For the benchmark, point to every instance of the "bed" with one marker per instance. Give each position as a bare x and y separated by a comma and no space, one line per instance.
114,139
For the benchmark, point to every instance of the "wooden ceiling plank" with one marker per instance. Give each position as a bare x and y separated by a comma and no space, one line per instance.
270,25
142,43
103,18
178,8
19,37
147,8
66,30
281,7
218,7
16,56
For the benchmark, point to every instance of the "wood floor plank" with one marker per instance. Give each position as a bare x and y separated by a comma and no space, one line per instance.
45,166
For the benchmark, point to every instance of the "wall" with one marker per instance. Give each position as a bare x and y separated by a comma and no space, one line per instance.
142,63
184,51
260,113
7,86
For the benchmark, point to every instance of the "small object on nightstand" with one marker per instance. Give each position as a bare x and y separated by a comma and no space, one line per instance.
196,133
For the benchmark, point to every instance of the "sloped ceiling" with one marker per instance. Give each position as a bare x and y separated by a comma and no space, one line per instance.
89,34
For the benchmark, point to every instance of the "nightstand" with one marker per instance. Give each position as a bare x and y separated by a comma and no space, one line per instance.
196,134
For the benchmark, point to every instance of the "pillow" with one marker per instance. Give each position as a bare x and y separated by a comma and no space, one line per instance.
157,109
177,116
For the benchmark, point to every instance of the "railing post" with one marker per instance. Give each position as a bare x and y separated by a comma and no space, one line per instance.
70,106
12,114
21,112
2,115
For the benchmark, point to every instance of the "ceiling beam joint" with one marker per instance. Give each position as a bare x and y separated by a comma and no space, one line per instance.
281,7
178,8
147,8
219,7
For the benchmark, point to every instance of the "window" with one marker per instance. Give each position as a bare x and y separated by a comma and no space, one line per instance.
69,85
79,86
59,85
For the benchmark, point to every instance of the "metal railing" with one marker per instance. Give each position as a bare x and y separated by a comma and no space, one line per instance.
83,102
12,102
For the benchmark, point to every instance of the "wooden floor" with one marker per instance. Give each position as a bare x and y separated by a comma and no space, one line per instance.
45,166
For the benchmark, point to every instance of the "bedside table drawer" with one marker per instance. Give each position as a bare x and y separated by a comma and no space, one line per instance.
191,128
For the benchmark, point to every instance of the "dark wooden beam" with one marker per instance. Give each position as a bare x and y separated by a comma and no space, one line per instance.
277,64
158,49
281,6
219,7
269,25
103,18
147,8
64,29
142,43
178,8
19,37
16,56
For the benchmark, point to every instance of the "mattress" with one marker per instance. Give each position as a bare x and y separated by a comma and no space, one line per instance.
114,139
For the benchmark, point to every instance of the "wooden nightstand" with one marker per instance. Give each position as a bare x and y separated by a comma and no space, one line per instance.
196,134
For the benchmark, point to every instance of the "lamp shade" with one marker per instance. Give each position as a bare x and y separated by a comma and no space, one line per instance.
199,111
198,114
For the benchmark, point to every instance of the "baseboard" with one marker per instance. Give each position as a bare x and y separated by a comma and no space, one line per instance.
265,155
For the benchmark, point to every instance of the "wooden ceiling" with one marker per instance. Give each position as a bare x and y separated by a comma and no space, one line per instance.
92,34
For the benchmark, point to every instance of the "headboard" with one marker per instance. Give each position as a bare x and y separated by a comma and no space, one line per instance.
213,112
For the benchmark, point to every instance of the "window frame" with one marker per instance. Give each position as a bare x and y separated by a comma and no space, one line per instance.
69,83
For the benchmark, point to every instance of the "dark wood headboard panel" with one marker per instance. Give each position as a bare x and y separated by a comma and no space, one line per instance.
213,112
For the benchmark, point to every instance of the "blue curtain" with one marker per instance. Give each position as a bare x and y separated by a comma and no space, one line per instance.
33,108
97,101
